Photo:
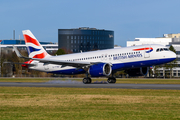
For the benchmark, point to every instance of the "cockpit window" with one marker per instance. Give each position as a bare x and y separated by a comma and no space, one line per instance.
166,49
162,49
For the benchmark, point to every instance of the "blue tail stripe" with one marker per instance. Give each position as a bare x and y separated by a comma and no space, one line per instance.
31,49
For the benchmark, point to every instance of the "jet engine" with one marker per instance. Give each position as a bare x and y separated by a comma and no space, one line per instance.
101,69
137,71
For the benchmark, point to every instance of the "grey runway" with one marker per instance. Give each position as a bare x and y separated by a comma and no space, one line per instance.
93,85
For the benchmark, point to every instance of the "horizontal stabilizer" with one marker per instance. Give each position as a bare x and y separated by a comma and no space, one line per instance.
30,65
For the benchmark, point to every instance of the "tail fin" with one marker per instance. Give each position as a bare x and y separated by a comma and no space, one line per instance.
35,50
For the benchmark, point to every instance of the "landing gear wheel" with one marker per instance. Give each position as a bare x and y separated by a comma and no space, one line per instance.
114,81
87,80
111,80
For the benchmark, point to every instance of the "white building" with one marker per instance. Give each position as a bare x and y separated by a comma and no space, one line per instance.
48,47
142,41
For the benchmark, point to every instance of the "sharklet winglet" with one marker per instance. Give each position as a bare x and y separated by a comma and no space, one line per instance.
19,54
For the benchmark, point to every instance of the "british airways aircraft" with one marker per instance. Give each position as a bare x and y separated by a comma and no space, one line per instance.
135,60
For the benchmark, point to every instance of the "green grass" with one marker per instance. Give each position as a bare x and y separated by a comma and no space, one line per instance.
88,103
119,80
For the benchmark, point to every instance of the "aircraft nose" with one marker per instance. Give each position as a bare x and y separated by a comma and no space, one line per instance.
173,55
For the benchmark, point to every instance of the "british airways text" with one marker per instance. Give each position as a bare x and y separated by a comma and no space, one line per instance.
127,56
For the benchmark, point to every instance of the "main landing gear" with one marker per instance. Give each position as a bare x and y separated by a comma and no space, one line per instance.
111,80
87,80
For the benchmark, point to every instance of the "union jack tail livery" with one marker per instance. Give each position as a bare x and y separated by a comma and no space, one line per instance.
35,50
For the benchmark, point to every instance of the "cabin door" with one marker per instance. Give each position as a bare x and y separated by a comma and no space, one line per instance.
147,53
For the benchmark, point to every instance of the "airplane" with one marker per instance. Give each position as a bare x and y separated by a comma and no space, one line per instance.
135,60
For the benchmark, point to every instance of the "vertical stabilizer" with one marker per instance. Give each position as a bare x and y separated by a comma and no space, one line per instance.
35,50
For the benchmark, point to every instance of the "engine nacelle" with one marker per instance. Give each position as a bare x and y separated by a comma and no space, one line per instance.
101,69
137,71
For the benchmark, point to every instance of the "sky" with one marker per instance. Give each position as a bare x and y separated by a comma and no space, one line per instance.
129,19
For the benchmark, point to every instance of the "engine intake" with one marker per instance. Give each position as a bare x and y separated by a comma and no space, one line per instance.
101,69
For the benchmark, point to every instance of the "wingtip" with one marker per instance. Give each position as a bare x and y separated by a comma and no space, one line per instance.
16,51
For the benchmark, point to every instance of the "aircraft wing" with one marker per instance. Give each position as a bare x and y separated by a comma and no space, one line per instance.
77,64
64,63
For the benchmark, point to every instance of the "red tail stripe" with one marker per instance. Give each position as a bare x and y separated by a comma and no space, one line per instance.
42,55
27,62
148,48
29,39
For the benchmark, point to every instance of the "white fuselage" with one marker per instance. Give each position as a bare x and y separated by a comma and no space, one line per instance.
119,58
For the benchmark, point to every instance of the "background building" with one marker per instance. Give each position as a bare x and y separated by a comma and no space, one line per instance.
7,45
142,41
171,35
85,39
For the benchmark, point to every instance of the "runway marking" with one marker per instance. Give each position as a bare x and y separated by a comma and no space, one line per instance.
81,85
